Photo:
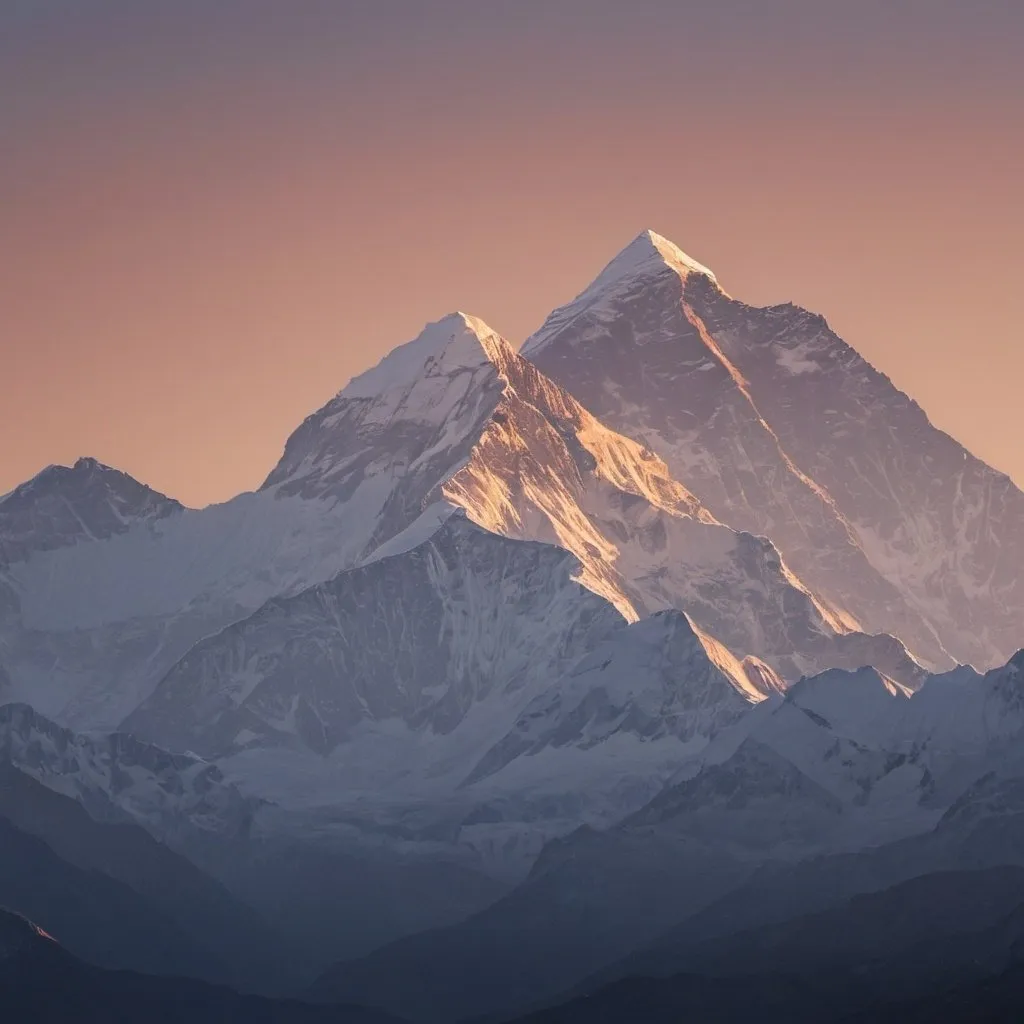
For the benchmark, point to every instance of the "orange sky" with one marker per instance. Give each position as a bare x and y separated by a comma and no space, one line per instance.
209,223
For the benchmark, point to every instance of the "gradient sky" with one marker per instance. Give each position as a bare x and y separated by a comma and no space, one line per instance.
213,213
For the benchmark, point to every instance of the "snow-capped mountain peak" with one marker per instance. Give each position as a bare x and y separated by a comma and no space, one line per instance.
422,402
456,342
649,253
87,475
784,431
62,505
648,257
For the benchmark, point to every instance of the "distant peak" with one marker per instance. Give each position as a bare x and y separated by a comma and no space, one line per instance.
85,468
456,342
84,464
672,254
55,474
90,486
649,252
462,321
649,255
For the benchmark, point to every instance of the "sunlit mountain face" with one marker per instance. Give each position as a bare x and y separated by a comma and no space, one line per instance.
529,670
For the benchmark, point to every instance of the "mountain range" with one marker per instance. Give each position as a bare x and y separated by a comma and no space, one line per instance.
523,672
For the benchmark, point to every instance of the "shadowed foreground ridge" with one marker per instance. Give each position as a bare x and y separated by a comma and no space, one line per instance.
41,981
941,948
785,1000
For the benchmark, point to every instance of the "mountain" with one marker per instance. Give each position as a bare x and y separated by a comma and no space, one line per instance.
524,670
118,777
454,419
174,830
61,509
588,900
783,430
362,637
94,615
62,506
652,679
103,920
457,418
951,920
711,1000
90,820
810,772
747,930
846,784
942,769
41,981
463,694
994,1000
943,940
790,999
422,638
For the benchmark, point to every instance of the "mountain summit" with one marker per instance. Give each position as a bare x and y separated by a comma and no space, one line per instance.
649,253
457,341
648,259
783,430
62,505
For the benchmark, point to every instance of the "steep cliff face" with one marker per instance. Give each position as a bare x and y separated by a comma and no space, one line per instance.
423,639
781,429
941,525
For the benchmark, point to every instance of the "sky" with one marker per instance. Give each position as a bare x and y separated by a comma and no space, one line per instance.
213,214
